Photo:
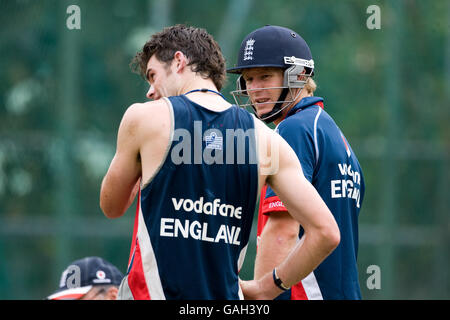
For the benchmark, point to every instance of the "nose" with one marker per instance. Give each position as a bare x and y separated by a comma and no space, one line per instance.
151,93
251,85
254,90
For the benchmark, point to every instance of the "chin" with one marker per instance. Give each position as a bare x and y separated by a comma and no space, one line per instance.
260,112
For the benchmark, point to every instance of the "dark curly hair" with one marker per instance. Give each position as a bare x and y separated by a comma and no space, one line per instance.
203,52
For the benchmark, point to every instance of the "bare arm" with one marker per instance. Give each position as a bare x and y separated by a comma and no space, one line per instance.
307,208
279,236
121,182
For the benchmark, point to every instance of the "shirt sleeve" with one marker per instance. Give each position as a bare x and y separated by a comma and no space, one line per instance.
271,203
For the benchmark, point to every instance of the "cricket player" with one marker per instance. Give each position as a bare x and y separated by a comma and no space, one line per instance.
197,164
89,278
276,69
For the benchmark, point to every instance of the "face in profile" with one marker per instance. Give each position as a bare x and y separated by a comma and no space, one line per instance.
160,77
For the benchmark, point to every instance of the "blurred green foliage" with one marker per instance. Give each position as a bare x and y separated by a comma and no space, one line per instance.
63,93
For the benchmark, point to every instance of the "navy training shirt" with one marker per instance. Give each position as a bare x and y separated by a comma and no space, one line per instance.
194,217
332,167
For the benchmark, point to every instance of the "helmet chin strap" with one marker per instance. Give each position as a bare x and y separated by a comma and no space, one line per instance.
275,113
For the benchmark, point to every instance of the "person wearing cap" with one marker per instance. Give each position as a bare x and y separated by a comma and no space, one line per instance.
276,70
90,278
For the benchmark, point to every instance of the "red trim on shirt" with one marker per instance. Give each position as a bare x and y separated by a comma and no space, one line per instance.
272,204
298,292
135,227
136,278
266,206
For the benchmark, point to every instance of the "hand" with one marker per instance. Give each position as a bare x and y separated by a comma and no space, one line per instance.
262,289
250,289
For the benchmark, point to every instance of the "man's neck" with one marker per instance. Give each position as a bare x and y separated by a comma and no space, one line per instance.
196,82
206,99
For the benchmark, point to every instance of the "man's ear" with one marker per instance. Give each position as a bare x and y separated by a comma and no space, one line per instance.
180,61
300,75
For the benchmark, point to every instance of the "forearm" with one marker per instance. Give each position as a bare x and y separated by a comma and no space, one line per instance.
275,243
269,256
115,197
303,259
321,235
108,201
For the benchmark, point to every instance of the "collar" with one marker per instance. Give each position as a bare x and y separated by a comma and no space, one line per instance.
305,103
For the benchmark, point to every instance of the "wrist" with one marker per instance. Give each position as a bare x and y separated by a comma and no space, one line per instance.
278,282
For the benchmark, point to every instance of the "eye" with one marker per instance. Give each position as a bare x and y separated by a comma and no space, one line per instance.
151,77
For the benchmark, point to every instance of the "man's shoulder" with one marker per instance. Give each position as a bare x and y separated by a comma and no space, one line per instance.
148,111
149,107
303,121
148,116
308,119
